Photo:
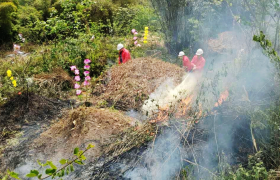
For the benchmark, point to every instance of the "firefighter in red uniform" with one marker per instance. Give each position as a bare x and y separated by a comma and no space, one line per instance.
187,65
198,61
124,54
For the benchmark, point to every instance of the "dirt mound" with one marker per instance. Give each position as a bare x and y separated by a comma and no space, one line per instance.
79,128
128,85
54,84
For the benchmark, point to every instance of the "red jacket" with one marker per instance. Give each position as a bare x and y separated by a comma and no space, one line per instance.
124,55
187,64
199,62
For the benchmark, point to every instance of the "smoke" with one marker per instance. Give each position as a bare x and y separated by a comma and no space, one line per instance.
249,77
161,160
167,95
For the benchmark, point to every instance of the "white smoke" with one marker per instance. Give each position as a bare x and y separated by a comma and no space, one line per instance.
161,159
167,95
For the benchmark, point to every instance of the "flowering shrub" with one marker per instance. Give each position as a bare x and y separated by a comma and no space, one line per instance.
77,78
134,32
9,75
146,35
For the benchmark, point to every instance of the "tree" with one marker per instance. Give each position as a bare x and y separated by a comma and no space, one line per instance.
6,9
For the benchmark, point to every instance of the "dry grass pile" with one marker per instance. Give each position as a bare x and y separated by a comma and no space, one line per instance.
128,85
79,128
54,84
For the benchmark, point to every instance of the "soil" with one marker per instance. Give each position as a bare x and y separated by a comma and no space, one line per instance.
30,115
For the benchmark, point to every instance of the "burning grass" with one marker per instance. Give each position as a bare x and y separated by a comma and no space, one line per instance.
128,85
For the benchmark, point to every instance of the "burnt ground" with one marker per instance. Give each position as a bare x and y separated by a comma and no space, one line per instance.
222,134
29,114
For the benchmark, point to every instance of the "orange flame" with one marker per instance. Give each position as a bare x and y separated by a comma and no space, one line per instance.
183,108
179,111
223,97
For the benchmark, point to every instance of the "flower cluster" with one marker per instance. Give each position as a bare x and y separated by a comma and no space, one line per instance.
146,35
9,75
133,31
78,78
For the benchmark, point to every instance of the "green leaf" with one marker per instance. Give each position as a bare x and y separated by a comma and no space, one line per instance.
35,172
5,178
90,146
40,176
63,161
50,171
51,165
79,153
31,175
82,157
79,162
71,168
40,163
67,170
62,172
76,150
14,175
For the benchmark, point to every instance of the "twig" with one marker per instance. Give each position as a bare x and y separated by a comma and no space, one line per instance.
216,138
253,138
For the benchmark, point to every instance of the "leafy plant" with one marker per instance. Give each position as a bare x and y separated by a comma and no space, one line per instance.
52,170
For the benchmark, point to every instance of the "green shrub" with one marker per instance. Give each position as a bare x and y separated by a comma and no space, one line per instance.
6,10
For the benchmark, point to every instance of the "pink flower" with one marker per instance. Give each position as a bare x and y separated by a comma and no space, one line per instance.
73,68
87,67
135,43
87,78
78,92
77,78
77,71
135,38
77,86
86,83
86,73
133,31
86,61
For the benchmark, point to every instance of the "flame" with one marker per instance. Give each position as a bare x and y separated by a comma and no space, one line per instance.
162,116
223,97
179,111
184,107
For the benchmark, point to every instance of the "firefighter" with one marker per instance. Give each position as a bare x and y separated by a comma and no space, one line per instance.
124,54
198,61
187,65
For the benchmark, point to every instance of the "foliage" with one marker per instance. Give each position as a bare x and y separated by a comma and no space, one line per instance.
6,10
266,44
52,170
255,170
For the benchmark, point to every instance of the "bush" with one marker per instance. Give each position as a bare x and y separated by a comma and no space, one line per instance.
6,10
